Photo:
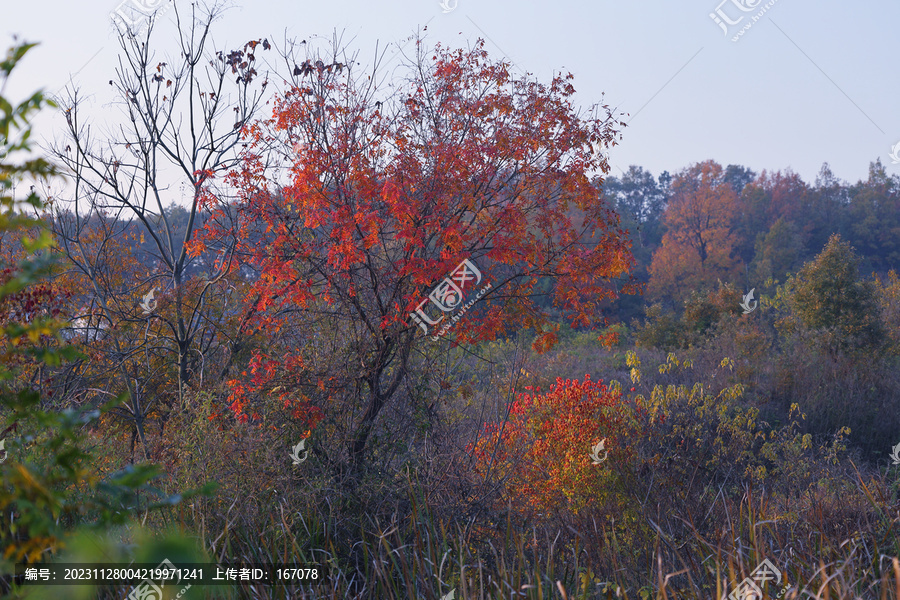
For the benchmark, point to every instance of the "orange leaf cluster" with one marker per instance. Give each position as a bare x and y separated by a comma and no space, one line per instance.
543,450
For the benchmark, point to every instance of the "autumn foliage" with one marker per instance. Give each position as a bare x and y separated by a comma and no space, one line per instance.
699,246
283,288
351,208
542,452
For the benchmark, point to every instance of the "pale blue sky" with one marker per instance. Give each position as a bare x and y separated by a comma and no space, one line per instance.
810,81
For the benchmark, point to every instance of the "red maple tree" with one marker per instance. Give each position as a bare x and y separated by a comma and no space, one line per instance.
354,204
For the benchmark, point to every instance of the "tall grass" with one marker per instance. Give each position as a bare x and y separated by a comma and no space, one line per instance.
820,551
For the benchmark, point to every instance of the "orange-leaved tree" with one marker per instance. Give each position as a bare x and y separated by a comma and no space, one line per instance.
698,247
356,199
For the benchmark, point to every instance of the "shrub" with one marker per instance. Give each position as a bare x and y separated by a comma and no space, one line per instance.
542,453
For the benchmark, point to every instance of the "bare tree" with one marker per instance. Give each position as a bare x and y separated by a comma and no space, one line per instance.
184,117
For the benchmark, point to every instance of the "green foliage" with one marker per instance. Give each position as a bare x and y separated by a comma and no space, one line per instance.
639,199
873,219
703,311
778,251
829,296
890,310
702,425
704,314
661,329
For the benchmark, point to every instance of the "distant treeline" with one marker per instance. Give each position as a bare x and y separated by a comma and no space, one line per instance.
708,223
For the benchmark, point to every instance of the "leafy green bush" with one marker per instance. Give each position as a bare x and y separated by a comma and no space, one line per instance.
829,297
